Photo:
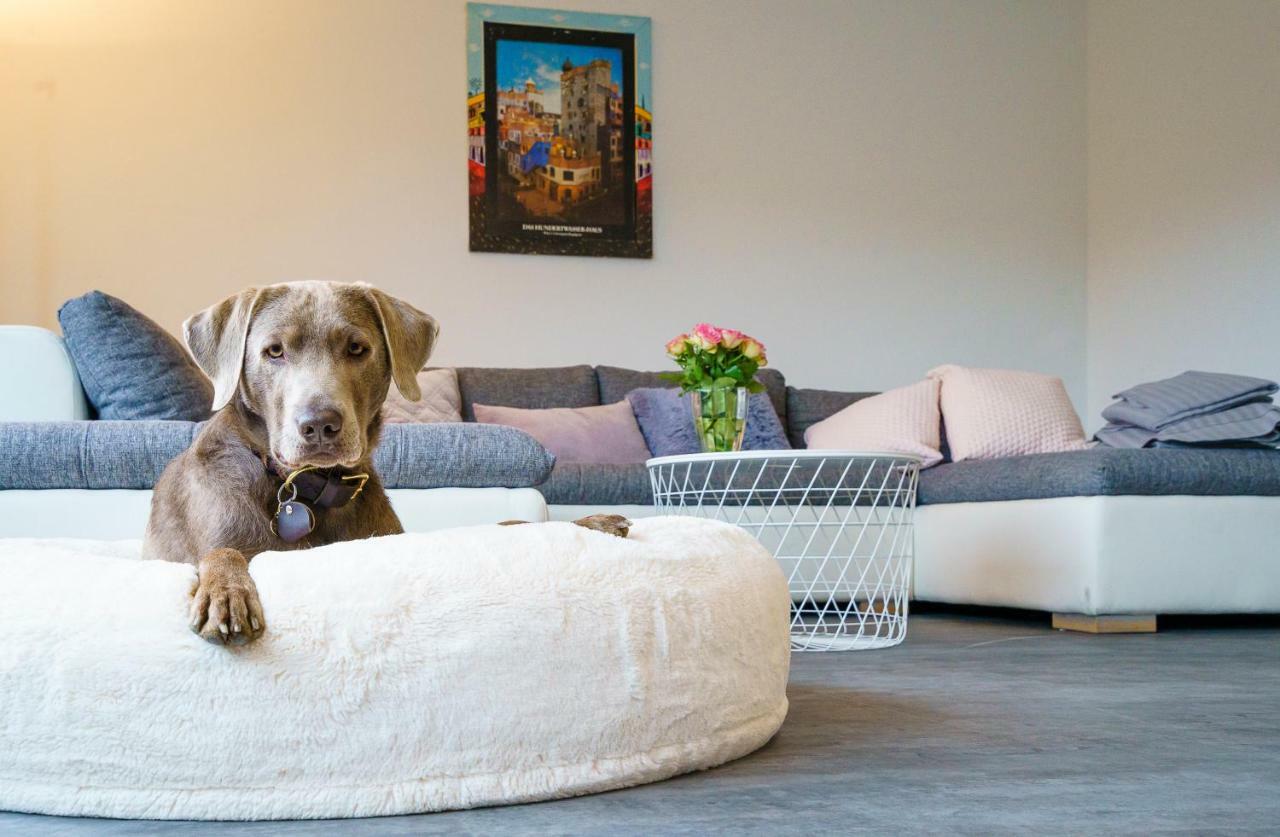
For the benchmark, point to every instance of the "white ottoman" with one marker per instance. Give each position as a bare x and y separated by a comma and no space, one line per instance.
412,673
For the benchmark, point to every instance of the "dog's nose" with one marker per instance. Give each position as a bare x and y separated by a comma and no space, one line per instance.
321,425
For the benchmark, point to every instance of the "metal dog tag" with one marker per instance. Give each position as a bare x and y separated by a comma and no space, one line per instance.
294,521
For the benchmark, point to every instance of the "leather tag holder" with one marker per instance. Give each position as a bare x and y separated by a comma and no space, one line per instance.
294,521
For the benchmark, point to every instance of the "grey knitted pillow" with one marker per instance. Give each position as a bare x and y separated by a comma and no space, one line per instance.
129,366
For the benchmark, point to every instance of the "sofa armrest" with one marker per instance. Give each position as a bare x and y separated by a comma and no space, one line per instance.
38,380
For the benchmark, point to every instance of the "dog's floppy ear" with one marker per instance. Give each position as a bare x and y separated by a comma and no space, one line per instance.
216,337
410,336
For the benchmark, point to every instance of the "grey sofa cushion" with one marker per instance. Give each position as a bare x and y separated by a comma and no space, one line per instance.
531,389
132,454
89,454
460,455
616,382
130,367
806,407
1104,471
574,483
1098,471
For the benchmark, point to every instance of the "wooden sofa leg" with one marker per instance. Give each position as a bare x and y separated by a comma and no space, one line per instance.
1142,623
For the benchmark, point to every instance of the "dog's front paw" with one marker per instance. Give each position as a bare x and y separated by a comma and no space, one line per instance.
610,524
225,607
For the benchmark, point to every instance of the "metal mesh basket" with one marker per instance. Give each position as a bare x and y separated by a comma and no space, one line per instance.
839,523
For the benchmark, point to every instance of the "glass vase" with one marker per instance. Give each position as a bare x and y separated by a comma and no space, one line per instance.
720,417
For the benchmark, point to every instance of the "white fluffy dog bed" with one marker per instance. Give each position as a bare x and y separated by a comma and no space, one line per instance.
412,673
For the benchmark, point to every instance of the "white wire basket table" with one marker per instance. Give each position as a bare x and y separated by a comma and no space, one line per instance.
839,523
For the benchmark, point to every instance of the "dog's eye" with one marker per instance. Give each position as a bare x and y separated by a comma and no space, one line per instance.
275,350
355,349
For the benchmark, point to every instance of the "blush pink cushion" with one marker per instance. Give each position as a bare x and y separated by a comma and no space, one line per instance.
902,420
606,435
989,413
440,400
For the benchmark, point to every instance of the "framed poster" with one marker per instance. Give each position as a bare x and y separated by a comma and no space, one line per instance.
560,132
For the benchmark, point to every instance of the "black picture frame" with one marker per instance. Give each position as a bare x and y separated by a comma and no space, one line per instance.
498,231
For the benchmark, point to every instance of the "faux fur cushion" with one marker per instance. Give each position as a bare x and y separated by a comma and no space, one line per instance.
991,413
440,400
605,435
903,420
666,420
403,674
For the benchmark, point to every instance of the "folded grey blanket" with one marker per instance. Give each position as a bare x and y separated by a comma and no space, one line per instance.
1256,423
1158,404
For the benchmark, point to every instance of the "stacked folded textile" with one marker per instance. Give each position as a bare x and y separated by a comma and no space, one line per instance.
1194,408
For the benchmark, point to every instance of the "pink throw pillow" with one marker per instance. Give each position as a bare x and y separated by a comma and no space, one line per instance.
902,420
605,435
989,413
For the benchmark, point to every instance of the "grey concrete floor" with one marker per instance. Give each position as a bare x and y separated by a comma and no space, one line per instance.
977,724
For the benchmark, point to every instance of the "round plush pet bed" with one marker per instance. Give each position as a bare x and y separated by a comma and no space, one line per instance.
411,673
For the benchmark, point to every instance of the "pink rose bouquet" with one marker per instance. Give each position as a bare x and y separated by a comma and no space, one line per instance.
711,356
718,366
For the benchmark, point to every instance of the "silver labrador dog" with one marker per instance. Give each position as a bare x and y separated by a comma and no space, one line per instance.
300,371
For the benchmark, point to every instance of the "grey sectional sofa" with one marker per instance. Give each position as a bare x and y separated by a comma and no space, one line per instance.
1097,537
1099,533
1100,471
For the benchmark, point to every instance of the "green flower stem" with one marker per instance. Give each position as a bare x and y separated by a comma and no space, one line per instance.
716,418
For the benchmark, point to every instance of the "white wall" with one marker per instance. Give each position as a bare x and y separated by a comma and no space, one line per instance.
872,188
1184,190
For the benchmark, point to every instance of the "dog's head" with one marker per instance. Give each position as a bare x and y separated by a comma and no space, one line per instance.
314,361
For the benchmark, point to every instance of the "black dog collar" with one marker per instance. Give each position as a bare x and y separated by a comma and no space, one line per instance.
307,488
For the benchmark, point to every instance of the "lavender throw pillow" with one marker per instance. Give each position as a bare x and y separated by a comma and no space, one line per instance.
666,420
605,435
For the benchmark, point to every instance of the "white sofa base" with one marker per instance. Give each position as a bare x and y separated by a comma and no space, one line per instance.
1103,555
1090,555
122,514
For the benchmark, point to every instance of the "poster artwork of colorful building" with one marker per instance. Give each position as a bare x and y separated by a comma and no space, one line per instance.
560,132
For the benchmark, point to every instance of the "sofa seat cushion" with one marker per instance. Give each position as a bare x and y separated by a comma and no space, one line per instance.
1104,471
132,454
580,484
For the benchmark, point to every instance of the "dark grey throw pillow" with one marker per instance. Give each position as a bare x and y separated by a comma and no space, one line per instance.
129,366
665,417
